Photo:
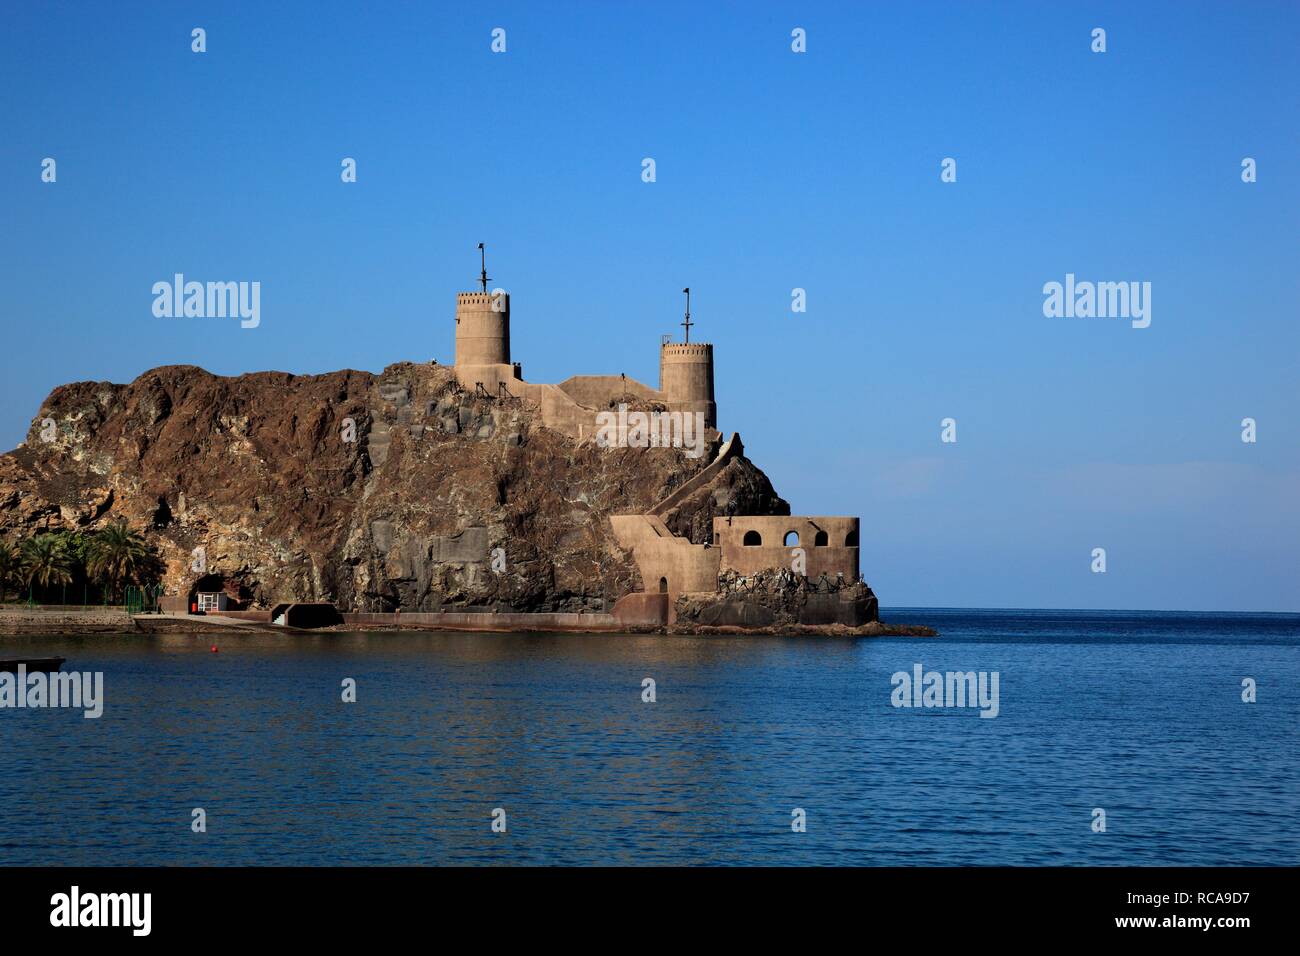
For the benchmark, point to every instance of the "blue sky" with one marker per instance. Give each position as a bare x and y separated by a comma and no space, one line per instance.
775,170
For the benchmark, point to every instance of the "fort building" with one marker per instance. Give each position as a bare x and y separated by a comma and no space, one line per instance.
483,362
670,565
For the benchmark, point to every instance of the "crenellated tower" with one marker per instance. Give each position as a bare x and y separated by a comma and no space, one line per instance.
686,373
686,378
482,328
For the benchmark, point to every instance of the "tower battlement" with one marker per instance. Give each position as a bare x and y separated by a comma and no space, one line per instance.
688,348
475,298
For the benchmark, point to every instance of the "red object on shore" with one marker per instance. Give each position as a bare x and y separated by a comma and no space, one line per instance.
194,607
214,649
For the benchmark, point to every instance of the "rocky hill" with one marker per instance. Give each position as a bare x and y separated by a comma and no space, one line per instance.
374,492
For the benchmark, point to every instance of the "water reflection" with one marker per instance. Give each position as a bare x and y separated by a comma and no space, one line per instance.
552,728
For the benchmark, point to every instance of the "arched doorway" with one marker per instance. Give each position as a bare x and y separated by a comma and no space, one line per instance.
208,593
663,585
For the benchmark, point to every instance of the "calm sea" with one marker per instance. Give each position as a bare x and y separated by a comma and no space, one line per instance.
1135,713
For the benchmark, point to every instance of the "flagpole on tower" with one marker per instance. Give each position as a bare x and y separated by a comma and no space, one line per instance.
688,322
483,278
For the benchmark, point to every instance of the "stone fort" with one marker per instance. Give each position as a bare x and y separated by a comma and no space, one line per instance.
670,565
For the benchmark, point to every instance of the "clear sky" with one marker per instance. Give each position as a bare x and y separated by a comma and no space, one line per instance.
775,170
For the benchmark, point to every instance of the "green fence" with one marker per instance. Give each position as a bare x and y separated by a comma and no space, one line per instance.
135,598
66,595
143,600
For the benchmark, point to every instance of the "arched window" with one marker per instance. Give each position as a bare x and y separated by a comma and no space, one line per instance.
791,539
753,539
663,585
851,539
821,540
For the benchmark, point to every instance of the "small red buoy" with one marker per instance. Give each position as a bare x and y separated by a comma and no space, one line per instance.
214,649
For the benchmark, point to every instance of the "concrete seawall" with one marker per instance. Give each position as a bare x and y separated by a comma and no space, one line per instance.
462,621
92,620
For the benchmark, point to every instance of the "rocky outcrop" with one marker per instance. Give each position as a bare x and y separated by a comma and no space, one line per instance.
375,492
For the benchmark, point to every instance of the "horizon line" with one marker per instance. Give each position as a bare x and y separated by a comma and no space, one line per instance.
1082,610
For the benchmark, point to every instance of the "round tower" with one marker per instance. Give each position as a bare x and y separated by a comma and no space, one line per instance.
686,378
482,328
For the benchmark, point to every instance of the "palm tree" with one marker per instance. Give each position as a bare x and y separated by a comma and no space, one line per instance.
46,561
117,556
10,567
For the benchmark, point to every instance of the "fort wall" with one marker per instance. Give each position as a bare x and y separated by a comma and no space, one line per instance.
604,392
668,564
755,543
